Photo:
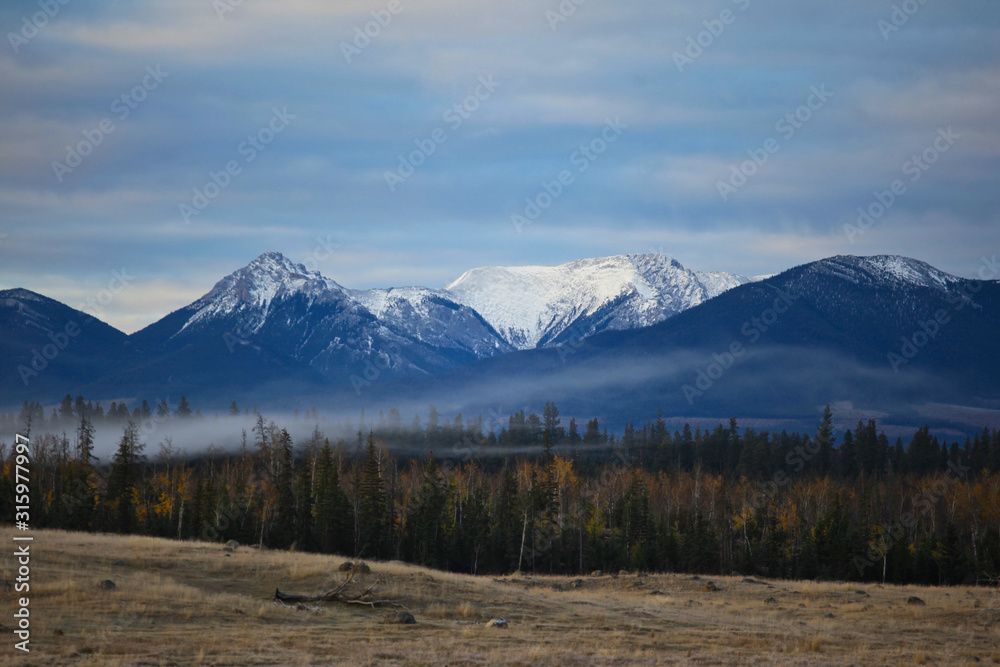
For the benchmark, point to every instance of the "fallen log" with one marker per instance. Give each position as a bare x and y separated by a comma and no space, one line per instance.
287,598
338,594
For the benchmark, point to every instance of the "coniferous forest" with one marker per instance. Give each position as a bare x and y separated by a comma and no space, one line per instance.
534,493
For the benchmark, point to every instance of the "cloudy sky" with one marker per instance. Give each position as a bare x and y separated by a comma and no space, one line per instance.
116,115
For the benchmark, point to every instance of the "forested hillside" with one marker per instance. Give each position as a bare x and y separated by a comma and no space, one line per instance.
542,496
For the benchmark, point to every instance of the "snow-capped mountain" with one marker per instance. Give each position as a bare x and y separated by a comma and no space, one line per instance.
881,331
886,270
540,306
281,307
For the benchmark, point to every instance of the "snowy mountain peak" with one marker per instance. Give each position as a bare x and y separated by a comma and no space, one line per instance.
533,306
892,269
250,290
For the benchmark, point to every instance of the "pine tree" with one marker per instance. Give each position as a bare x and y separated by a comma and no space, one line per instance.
183,409
284,514
66,409
123,480
847,457
824,442
304,532
426,517
373,511
551,421
331,508
84,440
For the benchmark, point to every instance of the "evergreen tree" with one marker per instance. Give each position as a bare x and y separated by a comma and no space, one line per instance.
284,515
373,511
574,433
304,510
84,440
824,441
66,409
331,508
123,480
551,421
847,457
426,517
183,409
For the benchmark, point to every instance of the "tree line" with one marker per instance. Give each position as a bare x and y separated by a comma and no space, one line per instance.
709,501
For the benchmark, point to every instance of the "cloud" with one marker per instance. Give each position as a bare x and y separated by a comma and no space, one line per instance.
326,173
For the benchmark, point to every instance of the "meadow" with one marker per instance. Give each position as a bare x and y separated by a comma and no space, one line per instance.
199,603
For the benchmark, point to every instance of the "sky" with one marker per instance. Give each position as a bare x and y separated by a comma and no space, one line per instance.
149,149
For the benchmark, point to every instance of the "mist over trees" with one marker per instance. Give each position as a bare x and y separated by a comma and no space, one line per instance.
533,493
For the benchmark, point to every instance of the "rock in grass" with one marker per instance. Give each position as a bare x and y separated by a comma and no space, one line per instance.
108,585
400,618
913,599
711,587
771,601
346,566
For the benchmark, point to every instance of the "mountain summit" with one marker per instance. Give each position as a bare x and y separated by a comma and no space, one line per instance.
541,306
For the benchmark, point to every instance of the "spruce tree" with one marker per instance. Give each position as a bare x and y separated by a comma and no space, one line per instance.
123,480
373,514
824,442
426,518
331,508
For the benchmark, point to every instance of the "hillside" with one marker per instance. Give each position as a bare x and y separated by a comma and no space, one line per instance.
186,603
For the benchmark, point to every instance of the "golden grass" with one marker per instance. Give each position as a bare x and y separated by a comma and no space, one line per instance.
191,603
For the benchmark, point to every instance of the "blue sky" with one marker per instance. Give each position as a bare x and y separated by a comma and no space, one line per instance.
558,73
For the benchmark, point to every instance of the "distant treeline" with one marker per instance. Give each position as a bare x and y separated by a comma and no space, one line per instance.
714,501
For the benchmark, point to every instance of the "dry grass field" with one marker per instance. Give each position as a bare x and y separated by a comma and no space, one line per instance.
191,603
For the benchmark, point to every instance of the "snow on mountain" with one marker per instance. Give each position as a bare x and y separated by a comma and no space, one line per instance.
279,306
889,270
433,317
252,289
536,306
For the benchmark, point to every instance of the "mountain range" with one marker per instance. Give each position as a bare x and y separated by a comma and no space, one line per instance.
619,337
